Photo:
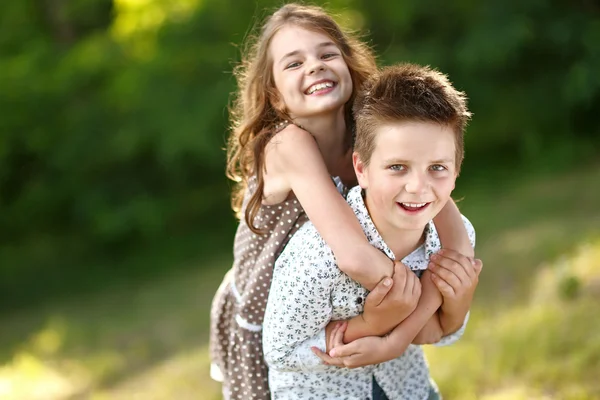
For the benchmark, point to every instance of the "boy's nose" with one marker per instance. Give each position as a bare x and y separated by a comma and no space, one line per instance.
417,183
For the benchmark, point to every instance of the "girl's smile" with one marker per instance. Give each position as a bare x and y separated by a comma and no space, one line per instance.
310,72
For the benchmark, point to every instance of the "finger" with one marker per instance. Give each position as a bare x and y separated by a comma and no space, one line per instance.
345,350
444,287
327,360
477,265
418,287
411,283
462,260
332,335
356,361
322,355
447,275
380,291
408,283
337,338
400,275
452,266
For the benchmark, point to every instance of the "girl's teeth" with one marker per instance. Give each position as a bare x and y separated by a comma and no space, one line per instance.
319,86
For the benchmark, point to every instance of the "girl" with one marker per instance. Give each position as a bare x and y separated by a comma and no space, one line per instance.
291,132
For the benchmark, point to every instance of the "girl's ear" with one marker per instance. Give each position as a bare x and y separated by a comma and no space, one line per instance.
361,171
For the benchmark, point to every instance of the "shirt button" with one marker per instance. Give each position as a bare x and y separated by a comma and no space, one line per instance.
359,300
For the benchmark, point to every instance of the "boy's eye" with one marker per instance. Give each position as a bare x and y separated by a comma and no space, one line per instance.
438,168
397,167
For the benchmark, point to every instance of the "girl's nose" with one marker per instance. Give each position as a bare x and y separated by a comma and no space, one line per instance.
316,66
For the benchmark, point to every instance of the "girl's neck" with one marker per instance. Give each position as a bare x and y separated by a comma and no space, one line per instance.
331,135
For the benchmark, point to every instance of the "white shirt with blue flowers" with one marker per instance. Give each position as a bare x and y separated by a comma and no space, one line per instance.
307,292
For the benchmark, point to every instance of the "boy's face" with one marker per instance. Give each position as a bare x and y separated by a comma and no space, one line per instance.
410,176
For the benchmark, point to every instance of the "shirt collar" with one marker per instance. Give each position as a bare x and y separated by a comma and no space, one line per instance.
431,245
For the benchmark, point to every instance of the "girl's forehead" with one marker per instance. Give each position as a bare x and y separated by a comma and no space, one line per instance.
290,36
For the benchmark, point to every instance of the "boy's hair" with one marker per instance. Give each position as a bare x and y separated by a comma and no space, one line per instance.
408,92
257,106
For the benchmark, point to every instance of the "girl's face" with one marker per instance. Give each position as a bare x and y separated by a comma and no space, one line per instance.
309,72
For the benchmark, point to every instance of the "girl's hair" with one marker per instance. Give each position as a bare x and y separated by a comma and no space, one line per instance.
257,107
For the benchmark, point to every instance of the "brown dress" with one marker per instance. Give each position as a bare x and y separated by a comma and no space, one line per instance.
239,305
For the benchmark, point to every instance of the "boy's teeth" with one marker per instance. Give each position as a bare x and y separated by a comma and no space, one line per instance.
414,205
319,86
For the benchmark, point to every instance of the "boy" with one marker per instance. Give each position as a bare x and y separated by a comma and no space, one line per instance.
408,152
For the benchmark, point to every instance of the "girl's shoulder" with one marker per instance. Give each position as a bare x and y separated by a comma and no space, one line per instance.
287,135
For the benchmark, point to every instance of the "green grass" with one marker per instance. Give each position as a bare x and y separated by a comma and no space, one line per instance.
533,332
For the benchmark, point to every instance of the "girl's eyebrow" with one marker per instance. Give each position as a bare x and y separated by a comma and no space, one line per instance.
296,52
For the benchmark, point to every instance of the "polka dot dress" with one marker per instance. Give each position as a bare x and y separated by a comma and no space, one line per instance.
239,305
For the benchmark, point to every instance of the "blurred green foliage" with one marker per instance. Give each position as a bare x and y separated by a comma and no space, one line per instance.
114,111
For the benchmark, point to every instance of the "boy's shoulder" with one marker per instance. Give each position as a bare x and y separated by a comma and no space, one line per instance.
307,245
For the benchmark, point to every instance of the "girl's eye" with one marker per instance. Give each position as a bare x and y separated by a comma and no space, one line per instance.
328,56
293,65
438,168
397,167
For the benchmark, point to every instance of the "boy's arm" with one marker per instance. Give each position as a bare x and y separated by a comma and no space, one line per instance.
299,305
451,230
297,158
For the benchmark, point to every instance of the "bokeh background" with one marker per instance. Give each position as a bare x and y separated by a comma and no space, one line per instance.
115,226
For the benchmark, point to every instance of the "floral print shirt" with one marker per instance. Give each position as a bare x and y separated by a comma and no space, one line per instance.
308,290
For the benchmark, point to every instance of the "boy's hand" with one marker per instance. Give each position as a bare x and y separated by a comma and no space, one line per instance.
335,339
384,307
456,276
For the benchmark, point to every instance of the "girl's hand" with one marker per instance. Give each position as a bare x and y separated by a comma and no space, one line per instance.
456,276
336,339
361,352
384,310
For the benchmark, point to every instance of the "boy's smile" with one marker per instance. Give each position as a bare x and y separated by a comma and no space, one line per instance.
410,175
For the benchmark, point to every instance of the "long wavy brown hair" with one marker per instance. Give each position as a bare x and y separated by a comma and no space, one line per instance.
257,106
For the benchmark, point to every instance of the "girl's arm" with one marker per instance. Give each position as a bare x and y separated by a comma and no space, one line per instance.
373,349
295,156
453,235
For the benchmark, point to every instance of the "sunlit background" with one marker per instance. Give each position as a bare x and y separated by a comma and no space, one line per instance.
115,226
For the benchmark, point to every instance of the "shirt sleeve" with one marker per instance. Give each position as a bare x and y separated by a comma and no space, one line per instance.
453,337
299,305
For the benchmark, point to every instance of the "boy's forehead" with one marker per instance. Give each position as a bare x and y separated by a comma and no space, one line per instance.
409,140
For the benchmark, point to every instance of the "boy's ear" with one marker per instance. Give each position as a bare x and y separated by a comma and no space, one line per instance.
361,170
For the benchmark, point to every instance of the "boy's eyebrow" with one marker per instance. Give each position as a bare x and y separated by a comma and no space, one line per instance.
399,161
296,52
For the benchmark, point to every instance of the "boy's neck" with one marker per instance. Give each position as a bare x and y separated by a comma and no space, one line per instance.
402,242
